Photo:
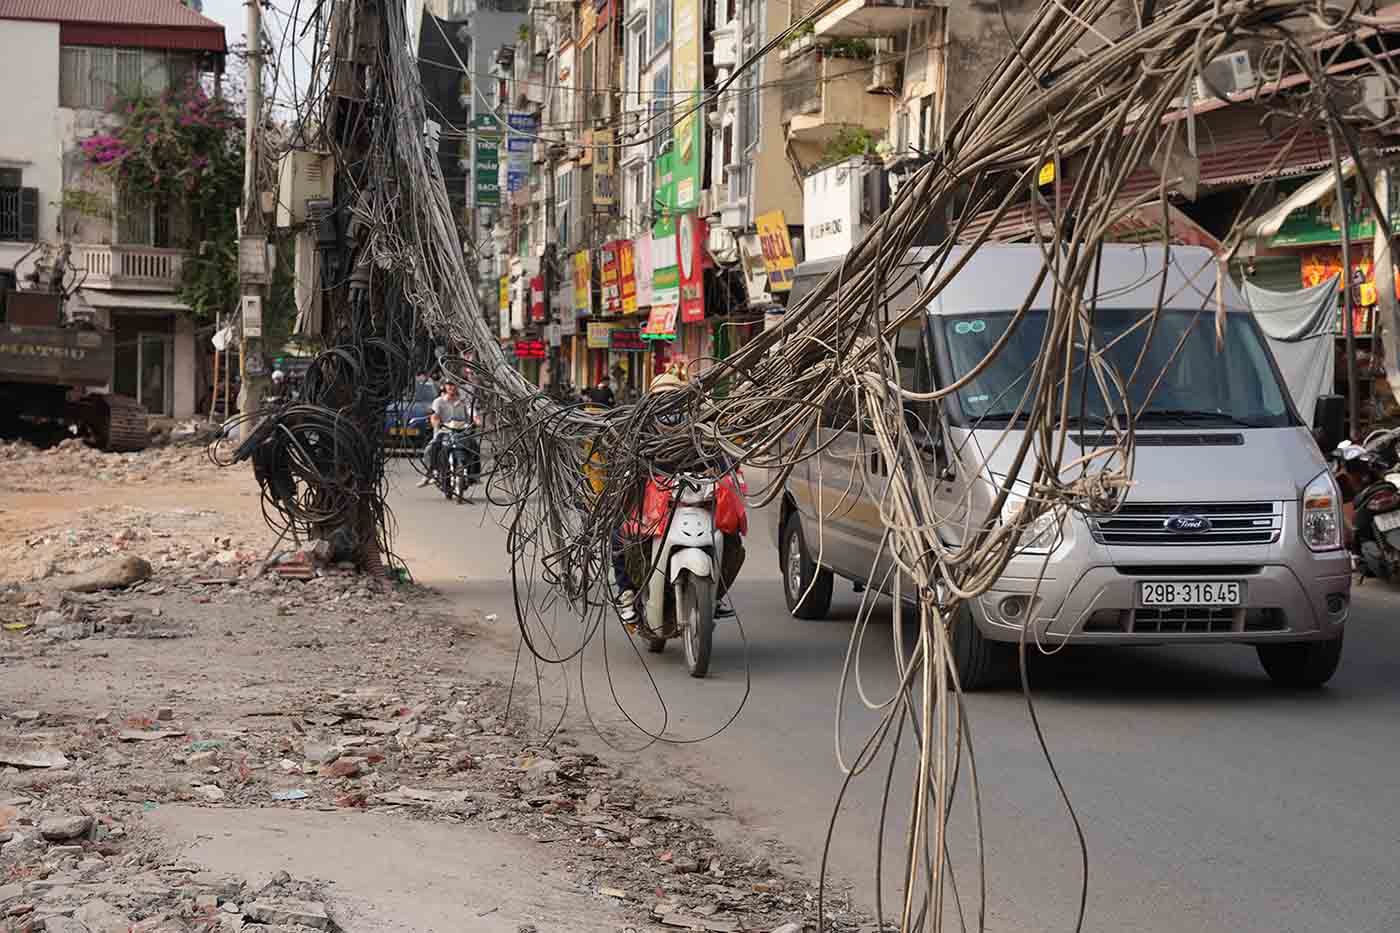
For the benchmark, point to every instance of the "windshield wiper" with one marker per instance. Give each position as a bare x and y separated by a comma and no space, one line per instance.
1191,416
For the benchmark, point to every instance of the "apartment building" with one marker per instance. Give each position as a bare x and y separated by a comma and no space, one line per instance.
62,64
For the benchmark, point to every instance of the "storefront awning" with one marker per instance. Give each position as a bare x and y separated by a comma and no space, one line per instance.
133,301
1314,191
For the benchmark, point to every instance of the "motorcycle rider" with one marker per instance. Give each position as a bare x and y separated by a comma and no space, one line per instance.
450,405
626,600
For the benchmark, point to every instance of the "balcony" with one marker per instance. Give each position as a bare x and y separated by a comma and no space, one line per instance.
824,94
135,268
862,18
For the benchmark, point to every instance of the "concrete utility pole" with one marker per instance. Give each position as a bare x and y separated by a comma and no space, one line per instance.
1385,325
252,251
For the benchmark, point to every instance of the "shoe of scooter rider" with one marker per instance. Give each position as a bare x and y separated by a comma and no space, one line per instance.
427,480
723,609
627,607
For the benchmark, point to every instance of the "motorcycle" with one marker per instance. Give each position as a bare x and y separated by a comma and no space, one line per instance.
1367,478
459,458
695,523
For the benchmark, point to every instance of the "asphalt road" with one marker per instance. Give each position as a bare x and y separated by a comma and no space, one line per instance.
1210,800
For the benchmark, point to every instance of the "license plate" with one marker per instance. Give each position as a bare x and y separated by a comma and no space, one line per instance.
405,432
1190,593
1388,521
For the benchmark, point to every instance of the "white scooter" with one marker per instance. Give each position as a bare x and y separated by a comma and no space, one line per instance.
686,556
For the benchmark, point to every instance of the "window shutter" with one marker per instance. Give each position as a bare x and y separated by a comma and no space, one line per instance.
29,214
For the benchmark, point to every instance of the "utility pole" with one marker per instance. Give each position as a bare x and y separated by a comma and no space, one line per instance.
252,245
551,252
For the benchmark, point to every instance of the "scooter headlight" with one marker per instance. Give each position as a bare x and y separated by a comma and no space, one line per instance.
1322,513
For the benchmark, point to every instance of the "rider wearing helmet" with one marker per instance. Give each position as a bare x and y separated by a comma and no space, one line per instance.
673,379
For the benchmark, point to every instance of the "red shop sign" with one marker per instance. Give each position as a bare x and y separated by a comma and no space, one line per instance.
530,350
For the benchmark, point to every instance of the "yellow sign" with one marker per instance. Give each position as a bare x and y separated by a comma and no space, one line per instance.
583,283
599,335
1047,174
505,295
777,250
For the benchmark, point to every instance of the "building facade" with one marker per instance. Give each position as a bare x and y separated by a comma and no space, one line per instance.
61,67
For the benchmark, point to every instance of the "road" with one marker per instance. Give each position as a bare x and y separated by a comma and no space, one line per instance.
1210,800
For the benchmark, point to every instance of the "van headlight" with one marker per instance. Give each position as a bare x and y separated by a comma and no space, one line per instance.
1322,513
1042,535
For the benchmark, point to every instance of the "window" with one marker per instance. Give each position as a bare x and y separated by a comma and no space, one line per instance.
660,119
661,19
11,178
636,56
19,211
140,222
926,123
90,77
636,196
563,201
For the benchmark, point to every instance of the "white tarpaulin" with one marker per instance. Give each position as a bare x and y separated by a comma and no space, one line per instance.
1299,328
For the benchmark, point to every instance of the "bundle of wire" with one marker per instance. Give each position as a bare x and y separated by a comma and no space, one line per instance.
1083,82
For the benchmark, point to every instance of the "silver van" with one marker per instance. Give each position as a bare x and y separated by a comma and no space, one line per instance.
1230,533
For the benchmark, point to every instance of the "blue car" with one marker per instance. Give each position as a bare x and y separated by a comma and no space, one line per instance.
406,425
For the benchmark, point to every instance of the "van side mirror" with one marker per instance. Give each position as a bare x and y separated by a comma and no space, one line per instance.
1329,421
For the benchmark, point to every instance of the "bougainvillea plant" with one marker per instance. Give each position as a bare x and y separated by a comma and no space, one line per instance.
183,150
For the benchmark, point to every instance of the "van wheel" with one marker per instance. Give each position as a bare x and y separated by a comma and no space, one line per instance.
806,585
1307,664
981,662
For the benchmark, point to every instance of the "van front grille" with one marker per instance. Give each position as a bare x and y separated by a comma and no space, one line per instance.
1185,620
1152,524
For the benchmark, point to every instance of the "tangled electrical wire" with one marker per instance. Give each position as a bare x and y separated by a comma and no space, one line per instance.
1085,87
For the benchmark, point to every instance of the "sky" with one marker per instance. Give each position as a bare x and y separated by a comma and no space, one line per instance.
276,20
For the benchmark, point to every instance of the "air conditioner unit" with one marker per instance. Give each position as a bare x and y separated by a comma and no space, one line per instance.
726,51
884,77
302,176
707,202
1229,74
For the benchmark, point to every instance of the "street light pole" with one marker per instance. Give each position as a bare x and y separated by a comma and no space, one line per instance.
252,253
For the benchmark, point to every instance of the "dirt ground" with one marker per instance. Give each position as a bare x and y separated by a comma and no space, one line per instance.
217,747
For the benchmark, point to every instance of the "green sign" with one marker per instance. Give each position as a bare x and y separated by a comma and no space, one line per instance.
665,273
688,81
487,183
1320,222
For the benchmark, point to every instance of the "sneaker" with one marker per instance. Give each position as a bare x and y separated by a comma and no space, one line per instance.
427,480
724,610
627,607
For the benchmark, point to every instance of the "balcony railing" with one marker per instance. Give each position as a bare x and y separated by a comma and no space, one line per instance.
149,268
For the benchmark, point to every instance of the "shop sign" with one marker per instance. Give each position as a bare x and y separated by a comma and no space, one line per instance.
665,277
1320,222
627,277
487,184
604,190
661,323
626,341
537,298
690,233
643,259
524,128
688,134
583,282
599,334
530,350
504,306
777,250
612,291
755,274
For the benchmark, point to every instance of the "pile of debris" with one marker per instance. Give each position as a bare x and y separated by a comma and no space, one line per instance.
73,867
72,464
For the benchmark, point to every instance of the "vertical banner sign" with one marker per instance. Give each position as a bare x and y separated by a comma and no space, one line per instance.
487,186
537,298
665,196
612,293
583,283
604,195
690,234
504,324
687,132
643,259
665,277
524,127
777,250
626,277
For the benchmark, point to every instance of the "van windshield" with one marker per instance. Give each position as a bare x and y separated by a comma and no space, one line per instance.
1201,386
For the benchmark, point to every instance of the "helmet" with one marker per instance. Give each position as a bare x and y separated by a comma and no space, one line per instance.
672,378
279,376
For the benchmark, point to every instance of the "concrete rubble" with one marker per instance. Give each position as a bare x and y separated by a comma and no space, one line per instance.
231,686
72,464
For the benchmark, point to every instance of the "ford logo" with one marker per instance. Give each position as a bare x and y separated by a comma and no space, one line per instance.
1187,524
